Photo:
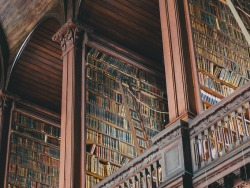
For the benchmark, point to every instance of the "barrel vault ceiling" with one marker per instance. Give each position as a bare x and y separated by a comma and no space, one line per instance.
36,69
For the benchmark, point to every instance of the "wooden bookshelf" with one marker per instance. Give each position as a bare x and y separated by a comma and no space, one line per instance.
34,150
118,127
222,53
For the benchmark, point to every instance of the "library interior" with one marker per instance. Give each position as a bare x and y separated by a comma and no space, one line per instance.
125,94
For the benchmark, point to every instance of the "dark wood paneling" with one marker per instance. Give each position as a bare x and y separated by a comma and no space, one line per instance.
132,24
37,77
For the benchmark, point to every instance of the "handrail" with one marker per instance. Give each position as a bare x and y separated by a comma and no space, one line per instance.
212,134
145,170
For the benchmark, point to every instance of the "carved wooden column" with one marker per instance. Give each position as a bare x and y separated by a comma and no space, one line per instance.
72,149
181,75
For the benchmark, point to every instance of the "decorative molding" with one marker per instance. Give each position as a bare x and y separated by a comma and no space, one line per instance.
221,109
67,34
170,133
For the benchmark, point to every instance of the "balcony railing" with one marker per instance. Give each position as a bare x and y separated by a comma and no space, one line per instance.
221,129
181,151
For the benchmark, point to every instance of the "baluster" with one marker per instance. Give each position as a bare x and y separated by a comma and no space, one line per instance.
230,134
238,139
215,151
144,178
123,185
241,112
222,136
246,136
201,150
133,182
206,134
159,172
138,177
195,153
127,183
149,177
155,166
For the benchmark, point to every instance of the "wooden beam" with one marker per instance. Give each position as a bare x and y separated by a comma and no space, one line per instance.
181,77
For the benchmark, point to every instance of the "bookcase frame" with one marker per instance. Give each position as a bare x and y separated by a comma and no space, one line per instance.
36,113
123,55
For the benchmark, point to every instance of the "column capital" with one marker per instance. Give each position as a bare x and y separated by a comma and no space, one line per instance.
67,34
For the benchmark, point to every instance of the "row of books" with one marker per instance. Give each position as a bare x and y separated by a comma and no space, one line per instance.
212,68
105,115
217,22
16,149
35,134
97,55
34,152
91,181
105,91
144,106
16,181
152,102
100,77
151,133
212,9
37,125
152,123
111,155
95,166
142,143
231,55
34,175
208,30
214,85
105,103
102,127
36,146
209,98
102,60
21,157
110,142
219,47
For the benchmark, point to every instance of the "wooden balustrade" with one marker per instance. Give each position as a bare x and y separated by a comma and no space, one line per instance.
151,168
220,129
182,150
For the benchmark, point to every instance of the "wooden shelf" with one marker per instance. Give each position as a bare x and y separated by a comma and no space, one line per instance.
95,175
217,79
212,92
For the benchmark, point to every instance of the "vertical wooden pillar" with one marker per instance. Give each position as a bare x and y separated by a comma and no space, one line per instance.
72,165
181,75
5,111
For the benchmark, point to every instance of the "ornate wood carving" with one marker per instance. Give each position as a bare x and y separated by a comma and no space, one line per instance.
67,34
221,109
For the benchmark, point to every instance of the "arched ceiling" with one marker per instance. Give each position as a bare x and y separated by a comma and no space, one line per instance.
37,75
19,17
